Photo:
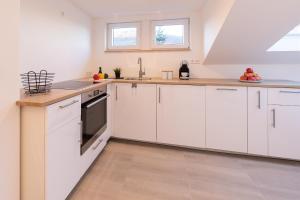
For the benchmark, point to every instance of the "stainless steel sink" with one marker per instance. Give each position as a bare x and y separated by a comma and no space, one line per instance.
137,79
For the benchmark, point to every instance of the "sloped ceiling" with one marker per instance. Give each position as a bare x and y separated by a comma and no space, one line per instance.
251,28
108,8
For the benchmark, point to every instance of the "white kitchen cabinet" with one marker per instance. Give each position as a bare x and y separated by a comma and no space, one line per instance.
50,150
257,121
226,118
63,160
135,111
284,134
181,115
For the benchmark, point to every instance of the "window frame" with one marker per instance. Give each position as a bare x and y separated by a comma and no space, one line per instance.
109,39
170,22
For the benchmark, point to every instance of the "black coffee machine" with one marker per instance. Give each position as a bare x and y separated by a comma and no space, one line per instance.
184,71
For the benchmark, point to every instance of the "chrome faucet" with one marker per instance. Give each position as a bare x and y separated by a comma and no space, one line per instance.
141,72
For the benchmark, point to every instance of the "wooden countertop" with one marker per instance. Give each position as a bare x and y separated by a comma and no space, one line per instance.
58,95
217,82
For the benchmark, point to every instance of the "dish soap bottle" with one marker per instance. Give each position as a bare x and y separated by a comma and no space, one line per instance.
101,75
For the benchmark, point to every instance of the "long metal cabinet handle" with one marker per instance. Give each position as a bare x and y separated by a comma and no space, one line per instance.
94,103
290,92
81,132
97,145
259,99
226,89
116,93
159,95
274,118
69,104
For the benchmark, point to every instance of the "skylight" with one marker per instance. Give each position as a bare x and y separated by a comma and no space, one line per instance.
290,42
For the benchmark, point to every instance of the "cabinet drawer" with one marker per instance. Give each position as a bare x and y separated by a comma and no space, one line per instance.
284,96
91,154
63,112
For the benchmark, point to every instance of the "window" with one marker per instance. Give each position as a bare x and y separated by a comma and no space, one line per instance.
290,42
170,33
123,36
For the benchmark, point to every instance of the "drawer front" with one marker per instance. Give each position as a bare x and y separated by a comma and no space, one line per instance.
64,111
91,154
284,96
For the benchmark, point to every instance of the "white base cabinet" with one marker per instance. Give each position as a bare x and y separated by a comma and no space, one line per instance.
257,121
226,118
51,163
181,115
135,111
283,123
50,150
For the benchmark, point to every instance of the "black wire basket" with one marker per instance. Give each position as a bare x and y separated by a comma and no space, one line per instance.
37,83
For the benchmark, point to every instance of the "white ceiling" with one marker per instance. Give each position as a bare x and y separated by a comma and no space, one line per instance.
106,8
251,28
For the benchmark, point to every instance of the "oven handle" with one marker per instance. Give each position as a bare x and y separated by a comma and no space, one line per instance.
99,100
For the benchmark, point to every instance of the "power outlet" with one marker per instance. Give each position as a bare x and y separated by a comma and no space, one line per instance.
195,61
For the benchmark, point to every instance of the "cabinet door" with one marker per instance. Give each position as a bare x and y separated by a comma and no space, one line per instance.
135,112
226,118
62,160
284,134
257,121
181,115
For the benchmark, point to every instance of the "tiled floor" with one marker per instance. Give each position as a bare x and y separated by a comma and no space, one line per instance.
146,172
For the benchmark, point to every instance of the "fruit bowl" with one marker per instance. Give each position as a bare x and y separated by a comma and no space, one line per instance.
250,77
246,81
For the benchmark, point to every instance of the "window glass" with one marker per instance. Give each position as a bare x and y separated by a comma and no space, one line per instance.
169,34
290,42
124,37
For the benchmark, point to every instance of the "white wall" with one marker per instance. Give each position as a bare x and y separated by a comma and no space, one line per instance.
214,15
56,36
153,61
9,112
157,61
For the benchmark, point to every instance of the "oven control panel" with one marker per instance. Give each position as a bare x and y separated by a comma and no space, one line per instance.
93,93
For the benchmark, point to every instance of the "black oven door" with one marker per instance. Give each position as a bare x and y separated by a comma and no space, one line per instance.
94,120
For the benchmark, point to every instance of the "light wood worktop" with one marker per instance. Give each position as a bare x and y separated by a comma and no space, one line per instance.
58,95
217,82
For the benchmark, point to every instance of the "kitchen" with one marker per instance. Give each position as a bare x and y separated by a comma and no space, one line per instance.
187,117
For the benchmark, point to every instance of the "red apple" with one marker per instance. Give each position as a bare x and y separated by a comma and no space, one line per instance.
249,70
96,77
250,75
252,78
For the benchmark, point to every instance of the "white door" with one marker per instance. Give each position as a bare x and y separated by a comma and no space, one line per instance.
226,118
135,112
181,115
284,131
257,121
62,160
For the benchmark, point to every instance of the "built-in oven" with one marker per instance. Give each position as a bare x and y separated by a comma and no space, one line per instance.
93,116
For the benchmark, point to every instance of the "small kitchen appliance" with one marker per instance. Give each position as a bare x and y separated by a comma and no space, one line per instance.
93,116
184,71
